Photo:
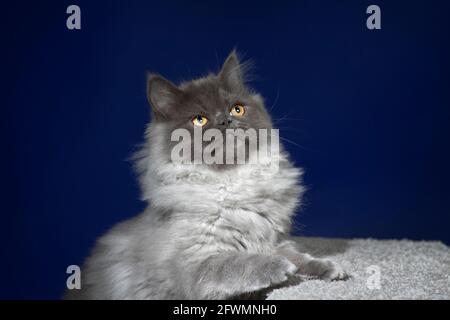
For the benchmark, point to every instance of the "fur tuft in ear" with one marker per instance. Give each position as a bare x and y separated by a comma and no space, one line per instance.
162,95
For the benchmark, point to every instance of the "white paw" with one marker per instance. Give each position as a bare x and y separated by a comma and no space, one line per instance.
327,270
335,272
279,270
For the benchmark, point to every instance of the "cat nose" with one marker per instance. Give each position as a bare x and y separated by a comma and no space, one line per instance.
225,122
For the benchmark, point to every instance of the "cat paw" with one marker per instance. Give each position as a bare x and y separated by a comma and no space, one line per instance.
328,270
277,270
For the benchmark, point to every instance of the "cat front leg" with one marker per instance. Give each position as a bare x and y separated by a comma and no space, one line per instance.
230,274
322,268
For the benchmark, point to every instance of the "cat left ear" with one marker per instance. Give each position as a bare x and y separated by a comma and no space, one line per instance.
162,95
231,74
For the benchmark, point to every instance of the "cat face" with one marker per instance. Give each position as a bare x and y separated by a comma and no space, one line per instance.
221,101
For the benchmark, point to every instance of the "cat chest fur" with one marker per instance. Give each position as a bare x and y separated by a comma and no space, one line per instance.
244,211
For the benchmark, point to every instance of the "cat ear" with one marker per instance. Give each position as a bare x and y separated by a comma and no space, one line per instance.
162,95
231,74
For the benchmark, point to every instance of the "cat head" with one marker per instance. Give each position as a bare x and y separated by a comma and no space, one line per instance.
218,101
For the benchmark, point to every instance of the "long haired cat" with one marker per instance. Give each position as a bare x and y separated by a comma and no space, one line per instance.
209,231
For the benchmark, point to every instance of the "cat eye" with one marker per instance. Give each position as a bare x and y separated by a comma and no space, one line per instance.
199,120
237,110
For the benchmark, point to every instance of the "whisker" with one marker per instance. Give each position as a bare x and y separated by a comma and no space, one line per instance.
294,143
289,129
275,101
288,119
298,227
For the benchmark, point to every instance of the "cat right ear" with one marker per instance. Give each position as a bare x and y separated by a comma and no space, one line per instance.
162,95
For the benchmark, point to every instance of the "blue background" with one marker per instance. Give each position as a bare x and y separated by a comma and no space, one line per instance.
368,112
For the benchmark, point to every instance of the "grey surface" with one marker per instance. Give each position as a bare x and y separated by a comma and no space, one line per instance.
408,270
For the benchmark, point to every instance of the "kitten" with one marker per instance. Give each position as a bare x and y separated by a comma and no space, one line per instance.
209,231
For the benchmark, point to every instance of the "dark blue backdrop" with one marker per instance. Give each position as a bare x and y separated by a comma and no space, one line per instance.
368,112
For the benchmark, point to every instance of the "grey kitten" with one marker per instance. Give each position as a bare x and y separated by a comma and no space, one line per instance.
209,232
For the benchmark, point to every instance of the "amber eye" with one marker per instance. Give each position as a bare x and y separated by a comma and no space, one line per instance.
199,120
237,110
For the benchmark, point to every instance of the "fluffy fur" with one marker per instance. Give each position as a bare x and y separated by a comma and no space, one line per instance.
208,232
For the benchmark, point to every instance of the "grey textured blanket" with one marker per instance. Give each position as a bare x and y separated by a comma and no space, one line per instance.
380,269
